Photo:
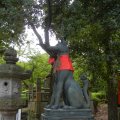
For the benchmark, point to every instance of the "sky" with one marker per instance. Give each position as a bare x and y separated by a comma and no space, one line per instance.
33,48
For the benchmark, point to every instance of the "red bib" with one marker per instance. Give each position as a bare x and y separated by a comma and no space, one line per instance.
65,63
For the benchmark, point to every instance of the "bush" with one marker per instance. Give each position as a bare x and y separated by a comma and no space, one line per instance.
99,96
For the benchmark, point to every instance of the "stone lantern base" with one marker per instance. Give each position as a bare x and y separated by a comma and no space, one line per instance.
67,114
8,115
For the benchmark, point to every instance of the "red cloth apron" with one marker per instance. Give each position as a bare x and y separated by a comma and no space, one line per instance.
64,63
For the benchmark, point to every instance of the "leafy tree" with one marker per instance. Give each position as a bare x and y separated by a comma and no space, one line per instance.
92,30
40,64
13,20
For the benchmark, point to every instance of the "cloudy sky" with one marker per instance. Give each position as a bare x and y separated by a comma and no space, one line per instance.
33,48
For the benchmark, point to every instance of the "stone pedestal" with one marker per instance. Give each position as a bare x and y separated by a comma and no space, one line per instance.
67,114
6,116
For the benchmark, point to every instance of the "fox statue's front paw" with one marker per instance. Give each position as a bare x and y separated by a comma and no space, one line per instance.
55,107
48,106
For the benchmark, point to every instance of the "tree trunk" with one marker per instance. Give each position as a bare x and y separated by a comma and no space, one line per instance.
111,93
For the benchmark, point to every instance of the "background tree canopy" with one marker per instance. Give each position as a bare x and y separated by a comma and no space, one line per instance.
91,28
13,20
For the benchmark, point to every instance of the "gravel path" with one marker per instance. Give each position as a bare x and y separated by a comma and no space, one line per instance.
102,113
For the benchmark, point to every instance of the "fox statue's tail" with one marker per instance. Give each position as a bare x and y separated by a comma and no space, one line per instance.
85,90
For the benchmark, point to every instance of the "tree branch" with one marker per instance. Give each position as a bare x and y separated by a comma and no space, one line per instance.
36,32
48,22
46,30
49,13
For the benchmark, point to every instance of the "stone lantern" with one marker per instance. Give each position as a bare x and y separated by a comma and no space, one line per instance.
11,76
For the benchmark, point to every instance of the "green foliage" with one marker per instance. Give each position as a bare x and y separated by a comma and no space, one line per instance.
99,96
92,31
89,27
1,61
24,95
41,67
13,20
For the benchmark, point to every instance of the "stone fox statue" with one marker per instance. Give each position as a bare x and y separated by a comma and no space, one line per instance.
64,84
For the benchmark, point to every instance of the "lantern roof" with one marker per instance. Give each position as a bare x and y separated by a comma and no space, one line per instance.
10,69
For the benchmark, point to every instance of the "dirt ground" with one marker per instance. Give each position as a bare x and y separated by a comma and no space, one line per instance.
102,112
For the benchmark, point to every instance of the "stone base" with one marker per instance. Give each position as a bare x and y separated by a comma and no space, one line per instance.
67,114
8,115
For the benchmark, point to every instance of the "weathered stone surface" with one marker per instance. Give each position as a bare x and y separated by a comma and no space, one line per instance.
8,115
67,114
11,76
11,104
13,71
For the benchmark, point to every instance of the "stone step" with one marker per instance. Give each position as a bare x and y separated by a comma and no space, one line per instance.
67,114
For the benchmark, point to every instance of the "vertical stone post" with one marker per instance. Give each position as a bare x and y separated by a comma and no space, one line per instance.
38,98
11,76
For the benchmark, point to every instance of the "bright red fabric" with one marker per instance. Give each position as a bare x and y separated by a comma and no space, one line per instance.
51,60
65,63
